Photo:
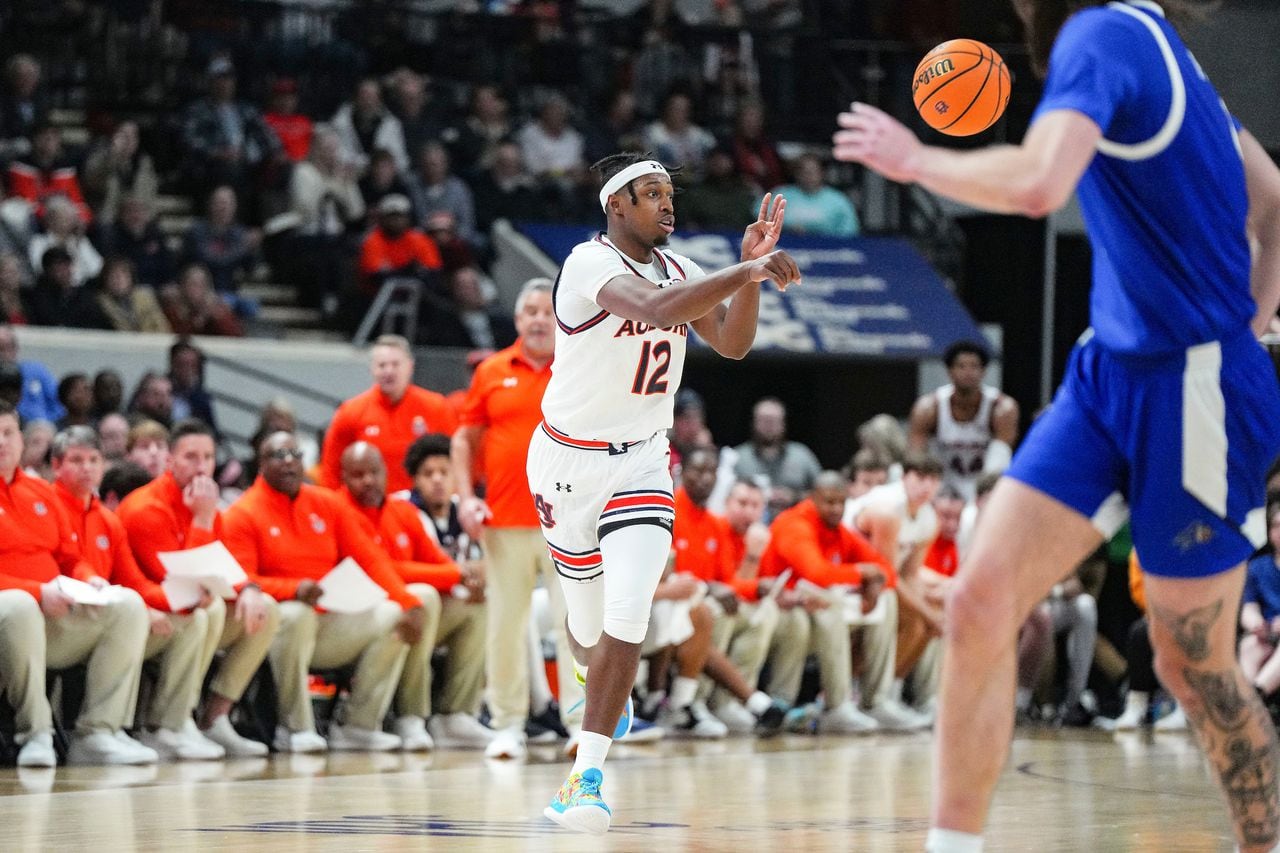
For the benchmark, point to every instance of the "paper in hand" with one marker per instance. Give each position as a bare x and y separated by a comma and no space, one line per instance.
347,589
83,593
207,561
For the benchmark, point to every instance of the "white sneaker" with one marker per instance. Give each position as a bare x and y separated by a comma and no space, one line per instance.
104,748
693,720
301,742
1174,721
185,745
459,731
145,754
353,739
846,719
736,718
38,752
570,748
233,744
413,735
507,744
1132,718
893,716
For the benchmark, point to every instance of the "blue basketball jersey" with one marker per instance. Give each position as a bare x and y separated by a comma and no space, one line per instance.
1164,200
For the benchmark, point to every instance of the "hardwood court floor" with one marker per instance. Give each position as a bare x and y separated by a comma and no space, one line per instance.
1069,791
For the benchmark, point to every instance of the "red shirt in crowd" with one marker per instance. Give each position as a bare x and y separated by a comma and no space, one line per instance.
705,546
105,547
382,254
158,520
417,558
37,539
294,131
826,556
943,557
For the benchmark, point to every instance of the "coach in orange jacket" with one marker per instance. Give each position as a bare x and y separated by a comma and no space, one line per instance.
40,627
175,640
390,415
288,535
809,540
454,619
177,511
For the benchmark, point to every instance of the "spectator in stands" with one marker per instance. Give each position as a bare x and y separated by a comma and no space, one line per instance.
383,179
117,169
175,640
121,480
455,252
56,300
39,388
676,140
226,139
453,598
39,627
12,309
485,127
113,433
287,558
135,234
435,494
325,198
192,307
75,393
10,383
661,66
147,446
436,189
754,155
127,307
1075,620
620,129
813,207
227,248
23,106
720,199
394,249
868,469
1260,614
64,230
292,128
419,114
390,415
466,319
179,510
505,190
365,124
278,415
943,557
186,377
152,398
37,438
108,393
47,172
553,149
786,468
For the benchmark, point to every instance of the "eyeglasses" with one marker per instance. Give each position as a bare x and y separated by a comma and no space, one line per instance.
285,453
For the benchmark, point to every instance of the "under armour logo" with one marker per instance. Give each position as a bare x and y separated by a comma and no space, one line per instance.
564,487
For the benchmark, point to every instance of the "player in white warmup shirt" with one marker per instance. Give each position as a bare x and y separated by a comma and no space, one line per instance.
598,464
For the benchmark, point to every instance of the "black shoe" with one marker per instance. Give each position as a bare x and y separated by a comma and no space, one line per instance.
1077,717
549,719
770,722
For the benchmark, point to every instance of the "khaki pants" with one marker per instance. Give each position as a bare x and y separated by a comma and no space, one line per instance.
826,634
516,556
309,640
460,627
177,686
244,652
744,637
109,640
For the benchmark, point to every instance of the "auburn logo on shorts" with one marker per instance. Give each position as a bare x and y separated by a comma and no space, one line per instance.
544,511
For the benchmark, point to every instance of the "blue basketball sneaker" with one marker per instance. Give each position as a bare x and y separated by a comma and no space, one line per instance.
628,711
578,804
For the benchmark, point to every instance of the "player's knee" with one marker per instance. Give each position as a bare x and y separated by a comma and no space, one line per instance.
585,630
978,613
627,627
703,619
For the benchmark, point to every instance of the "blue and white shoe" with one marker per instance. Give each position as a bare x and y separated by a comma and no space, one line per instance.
643,731
578,805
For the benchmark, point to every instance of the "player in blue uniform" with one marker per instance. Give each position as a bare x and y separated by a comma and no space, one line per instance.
1168,408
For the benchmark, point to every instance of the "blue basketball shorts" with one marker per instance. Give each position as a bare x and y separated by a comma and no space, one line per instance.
1180,444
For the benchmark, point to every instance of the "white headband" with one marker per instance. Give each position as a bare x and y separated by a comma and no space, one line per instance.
626,176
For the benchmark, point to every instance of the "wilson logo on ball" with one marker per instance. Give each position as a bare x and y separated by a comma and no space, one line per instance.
938,69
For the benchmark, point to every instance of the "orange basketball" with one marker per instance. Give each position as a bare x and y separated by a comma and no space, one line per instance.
961,87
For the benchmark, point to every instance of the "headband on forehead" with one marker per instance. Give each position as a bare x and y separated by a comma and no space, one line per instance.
626,176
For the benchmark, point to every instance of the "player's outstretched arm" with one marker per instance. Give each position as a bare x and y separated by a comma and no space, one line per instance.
1033,179
1263,179
634,298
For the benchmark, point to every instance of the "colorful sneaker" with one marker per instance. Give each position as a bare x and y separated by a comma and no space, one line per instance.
578,805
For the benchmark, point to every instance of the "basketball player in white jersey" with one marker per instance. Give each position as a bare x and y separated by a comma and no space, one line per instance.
598,464
973,426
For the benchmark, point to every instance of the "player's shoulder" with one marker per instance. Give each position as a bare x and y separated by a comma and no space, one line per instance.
592,249
1099,26
685,266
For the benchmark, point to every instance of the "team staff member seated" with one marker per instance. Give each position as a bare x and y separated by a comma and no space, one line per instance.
288,536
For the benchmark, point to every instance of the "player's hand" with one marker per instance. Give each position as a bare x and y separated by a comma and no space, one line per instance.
99,582
472,514
54,603
680,586
877,140
776,266
201,497
473,578
309,593
411,624
251,609
724,596
762,235
160,624
756,539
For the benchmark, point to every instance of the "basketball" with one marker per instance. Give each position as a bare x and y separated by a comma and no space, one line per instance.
961,87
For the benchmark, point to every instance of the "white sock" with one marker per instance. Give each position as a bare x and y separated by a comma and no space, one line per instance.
682,691
952,841
759,702
592,748
1137,701
1024,698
